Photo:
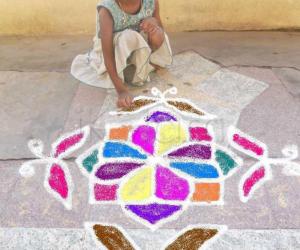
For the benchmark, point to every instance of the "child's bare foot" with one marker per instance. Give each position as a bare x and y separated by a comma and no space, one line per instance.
124,99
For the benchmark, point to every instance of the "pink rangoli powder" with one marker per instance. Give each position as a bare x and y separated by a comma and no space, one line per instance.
67,143
57,181
248,145
254,178
199,134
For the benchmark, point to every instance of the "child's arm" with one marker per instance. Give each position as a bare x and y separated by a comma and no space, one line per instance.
106,34
156,14
154,28
149,24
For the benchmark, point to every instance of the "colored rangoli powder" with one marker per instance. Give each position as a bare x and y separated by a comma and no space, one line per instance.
112,238
192,239
67,143
57,181
159,116
255,177
90,161
185,107
137,104
144,136
153,212
170,186
118,150
199,134
225,161
248,145
115,170
206,192
139,187
120,133
196,151
105,192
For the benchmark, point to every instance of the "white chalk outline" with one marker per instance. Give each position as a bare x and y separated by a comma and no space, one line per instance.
291,169
161,99
160,104
36,146
160,159
290,152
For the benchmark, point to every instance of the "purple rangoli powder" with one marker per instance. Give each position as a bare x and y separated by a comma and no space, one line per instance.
196,151
153,212
111,171
159,116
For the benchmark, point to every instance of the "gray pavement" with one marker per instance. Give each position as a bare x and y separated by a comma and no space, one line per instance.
39,99
78,239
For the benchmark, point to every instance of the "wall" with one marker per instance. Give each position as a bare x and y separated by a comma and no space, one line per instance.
43,17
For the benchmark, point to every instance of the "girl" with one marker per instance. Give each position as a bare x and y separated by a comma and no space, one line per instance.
130,43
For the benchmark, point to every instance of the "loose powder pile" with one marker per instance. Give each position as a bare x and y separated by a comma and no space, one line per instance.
185,107
112,238
192,239
137,104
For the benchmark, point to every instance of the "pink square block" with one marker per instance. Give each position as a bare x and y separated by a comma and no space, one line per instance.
105,192
199,134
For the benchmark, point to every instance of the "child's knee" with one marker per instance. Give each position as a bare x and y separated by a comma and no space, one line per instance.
156,39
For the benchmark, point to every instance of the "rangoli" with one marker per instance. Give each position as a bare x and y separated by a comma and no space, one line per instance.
156,166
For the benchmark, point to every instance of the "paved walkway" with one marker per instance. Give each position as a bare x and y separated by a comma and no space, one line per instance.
251,79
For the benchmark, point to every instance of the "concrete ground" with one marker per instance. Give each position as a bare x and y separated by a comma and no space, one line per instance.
40,99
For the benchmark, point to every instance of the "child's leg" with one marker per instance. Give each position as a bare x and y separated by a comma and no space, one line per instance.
156,39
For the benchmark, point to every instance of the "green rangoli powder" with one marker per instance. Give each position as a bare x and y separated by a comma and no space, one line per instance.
90,161
225,161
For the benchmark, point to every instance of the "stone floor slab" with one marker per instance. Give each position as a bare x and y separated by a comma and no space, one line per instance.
291,80
52,53
274,115
27,203
260,49
271,48
188,70
48,239
33,105
261,74
233,92
84,107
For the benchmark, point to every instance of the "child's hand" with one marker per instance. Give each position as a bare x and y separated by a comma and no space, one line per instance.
124,99
149,25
